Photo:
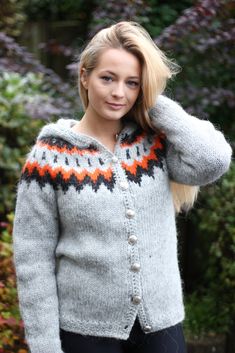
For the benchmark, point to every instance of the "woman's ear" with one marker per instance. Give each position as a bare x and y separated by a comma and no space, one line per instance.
84,78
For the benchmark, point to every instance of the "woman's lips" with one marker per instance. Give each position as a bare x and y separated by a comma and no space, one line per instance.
115,106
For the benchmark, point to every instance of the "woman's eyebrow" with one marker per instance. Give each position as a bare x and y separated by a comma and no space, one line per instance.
113,73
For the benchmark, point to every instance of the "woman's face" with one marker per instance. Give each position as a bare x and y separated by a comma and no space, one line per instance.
113,86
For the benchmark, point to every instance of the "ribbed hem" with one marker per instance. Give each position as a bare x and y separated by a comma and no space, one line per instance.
112,330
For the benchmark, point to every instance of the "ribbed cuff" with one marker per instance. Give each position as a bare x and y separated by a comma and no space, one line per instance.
45,346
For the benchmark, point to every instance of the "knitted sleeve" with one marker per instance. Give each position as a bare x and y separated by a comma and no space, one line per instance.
35,233
197,153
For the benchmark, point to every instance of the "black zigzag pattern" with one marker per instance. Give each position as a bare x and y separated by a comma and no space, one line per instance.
61,143
59,182
160,154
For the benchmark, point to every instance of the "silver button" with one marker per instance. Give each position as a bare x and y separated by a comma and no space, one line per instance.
136,299
147,328
132,239
130,213
135,267
114,159
124,185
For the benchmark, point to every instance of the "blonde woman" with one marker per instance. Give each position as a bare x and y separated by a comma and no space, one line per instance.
95,238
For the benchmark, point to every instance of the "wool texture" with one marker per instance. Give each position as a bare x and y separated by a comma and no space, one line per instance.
94,233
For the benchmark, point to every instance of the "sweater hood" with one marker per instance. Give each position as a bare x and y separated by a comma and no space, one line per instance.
62,129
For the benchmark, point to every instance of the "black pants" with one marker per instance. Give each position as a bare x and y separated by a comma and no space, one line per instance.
169,340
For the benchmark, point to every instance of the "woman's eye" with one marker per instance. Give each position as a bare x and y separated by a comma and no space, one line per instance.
110,79
133,83
106,78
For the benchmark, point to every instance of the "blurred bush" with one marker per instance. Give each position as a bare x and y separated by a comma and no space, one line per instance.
211,306
11,324
12,17
15,58
107,13
201,40
202,318
21,97
160,14
59,10
30,95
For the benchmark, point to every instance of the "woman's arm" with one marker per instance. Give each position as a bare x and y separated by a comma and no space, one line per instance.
197,153
35,234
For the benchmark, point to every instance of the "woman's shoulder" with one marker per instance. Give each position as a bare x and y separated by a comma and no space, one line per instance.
51,141
52,137
57,129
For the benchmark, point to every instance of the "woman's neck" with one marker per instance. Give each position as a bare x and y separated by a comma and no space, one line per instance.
104,129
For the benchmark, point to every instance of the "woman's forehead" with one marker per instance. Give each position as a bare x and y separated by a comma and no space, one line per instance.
115,60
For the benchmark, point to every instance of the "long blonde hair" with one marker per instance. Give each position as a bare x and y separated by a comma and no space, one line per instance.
156,70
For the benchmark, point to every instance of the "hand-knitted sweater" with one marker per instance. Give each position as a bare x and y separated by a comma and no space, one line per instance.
94,234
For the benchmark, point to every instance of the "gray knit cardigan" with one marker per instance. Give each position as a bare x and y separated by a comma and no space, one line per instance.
94,234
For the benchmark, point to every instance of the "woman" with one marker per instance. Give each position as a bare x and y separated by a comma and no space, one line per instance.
95,238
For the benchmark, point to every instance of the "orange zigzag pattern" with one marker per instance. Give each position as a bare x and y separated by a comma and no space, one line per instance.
79,177
144,162
58,149
53,172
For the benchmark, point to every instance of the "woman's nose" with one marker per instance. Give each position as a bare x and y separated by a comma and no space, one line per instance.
118,90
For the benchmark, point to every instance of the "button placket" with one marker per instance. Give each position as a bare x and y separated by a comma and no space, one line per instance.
136,299
123,185
114,159
130,214
132,239
135,267
147,328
